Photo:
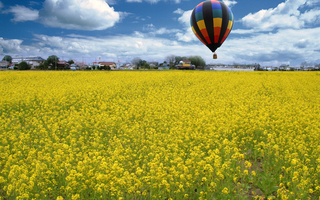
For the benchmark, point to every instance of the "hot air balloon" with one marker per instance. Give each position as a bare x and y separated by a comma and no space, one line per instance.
212,21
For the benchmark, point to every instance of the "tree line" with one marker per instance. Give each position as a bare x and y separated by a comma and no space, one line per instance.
172,61
50,64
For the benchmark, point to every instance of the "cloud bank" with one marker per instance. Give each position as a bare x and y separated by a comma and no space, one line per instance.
78,14
22,13
285,15
150,1
70,14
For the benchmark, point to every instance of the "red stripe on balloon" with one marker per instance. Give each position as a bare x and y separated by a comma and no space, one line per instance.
206,35
217,31
200,39
225,35
200,4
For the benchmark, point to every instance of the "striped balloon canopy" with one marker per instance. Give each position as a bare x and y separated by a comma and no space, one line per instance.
211,21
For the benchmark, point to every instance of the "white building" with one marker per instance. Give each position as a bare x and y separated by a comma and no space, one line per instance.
34,61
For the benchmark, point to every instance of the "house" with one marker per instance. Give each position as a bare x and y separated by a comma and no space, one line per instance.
62,63
81,65
4,64
34,61
163,66
127,66
17,59
112,65
185,64
74,67
153,64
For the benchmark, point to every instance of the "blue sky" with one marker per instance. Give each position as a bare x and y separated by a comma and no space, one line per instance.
269,32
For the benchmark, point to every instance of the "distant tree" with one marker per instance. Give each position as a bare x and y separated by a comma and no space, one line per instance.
40,66
304,65
143,64
67,67
171,60
307,65
257,67
71,62
178,59
7,58
104,67
283,67
197,61
45,65
146,66
136,61
24,66
53,61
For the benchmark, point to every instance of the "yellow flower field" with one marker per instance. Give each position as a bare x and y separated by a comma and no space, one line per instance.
159,135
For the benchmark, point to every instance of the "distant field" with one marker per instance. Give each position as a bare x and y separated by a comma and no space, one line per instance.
159,135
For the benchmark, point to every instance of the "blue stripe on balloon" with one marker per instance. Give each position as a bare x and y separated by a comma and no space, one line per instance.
216,6
198,9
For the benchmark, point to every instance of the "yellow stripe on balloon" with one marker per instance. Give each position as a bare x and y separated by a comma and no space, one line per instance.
230,25
217,22
194,30
201,24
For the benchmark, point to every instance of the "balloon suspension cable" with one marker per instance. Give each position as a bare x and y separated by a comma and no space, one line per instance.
215,56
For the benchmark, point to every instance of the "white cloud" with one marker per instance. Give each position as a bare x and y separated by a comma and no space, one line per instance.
186,34
79,14
151,48
152,30
311,16
302,43
149,1
285,15
264,48
162,31
276,47
22,13
1,5
139,1
229,3
179,11
111,2
312,2
148,27
243,31
138,34
8,46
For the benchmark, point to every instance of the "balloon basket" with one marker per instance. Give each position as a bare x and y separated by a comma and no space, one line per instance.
215,56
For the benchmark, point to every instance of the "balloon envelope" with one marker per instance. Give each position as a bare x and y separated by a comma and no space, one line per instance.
211,21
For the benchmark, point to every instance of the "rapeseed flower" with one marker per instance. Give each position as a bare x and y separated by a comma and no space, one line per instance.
170,135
